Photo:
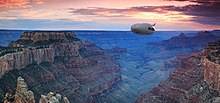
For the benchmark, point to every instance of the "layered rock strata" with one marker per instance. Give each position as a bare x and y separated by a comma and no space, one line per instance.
195,81
53,98
59,62
23,95
211,64
26,56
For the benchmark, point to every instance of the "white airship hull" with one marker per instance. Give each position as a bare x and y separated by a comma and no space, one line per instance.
143,28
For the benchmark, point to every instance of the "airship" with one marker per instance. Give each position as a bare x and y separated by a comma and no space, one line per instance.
143,28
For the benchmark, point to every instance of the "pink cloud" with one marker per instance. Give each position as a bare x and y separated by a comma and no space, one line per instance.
13,3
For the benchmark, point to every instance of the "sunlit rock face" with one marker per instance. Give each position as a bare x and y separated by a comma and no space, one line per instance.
185,84
20,59
211,63
23,95
196,80
46,36
58,61
53,98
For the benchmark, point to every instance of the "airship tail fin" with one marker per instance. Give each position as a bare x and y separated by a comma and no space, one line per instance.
154,24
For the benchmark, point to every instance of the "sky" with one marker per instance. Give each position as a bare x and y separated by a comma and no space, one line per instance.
109,14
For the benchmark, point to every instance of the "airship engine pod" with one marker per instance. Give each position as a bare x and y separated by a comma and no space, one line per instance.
143,28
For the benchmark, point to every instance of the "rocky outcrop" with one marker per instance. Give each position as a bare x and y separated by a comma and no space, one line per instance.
66,49
25,57
53,98
23,95
66,65
196,42
46,35
38,47
184,85
211,64
8,98
195,81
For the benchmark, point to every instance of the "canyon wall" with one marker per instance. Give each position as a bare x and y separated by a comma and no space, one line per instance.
211,64
25,57
59,62
46,35
196,80
26,53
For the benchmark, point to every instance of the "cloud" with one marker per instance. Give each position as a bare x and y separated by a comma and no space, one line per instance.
5,4
101,12
118,13
13,3
204,11
200,11
39,1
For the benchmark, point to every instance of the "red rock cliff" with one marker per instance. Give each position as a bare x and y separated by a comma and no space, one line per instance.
42,36
211,63
26,56
63,63
38,47
192,82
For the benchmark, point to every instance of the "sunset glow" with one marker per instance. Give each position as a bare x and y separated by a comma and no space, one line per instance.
108,15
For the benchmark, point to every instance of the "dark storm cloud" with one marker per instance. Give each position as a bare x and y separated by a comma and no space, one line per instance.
204,11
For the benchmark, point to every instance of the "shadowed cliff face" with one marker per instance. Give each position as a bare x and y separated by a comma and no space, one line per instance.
195,81
58,62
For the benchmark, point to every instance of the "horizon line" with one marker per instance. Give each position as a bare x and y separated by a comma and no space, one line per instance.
98,30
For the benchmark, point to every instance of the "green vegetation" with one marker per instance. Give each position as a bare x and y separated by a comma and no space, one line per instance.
214,45
8,81
38,43
1,96
46,42
216,54
30,72
25,42
71,38
64,60
82,49
6,50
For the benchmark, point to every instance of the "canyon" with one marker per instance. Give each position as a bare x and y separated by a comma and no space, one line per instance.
195,81
103,67
58,62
